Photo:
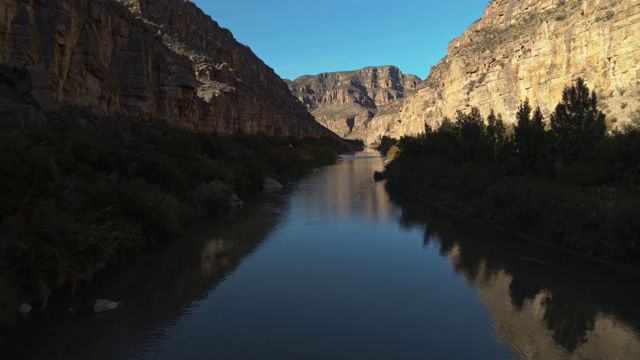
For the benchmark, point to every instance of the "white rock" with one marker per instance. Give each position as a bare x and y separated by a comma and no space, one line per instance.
24,309
103,305
270,184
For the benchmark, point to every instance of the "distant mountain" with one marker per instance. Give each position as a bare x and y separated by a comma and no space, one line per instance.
533,49
519,49
346,102
143,59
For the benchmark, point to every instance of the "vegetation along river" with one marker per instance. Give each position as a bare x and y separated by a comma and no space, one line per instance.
336,266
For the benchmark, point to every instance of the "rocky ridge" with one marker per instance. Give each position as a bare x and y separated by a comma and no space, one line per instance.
532,49
346,102
149,60
519,49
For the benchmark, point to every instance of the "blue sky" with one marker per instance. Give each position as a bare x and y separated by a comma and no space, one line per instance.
308,37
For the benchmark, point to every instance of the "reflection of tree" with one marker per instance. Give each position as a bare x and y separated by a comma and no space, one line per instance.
476,254
569,321
156,288
521,290
428,236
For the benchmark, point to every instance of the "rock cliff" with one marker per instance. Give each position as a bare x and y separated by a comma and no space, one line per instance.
150,60
533,49
519,49
346,102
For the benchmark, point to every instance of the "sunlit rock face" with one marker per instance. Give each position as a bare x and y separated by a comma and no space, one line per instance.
151,60
532,49
519,49
346,102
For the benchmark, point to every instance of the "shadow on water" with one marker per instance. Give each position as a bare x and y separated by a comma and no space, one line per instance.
340,278
544,303
155,290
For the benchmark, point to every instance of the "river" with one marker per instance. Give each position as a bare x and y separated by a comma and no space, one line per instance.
335,266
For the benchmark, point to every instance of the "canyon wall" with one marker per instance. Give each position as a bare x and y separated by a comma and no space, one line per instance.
519,49
533,49
346,102
149,60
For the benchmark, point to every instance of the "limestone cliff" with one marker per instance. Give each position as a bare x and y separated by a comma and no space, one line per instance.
533,49
346,102
519,49
150,60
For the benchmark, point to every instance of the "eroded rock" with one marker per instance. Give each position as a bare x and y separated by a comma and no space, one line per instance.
145,59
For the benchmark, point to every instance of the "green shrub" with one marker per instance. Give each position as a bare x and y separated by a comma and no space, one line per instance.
162,215
63,215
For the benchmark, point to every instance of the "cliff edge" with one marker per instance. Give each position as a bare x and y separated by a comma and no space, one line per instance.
533,49
149,60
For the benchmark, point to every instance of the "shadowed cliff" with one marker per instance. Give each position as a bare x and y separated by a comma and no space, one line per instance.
149,60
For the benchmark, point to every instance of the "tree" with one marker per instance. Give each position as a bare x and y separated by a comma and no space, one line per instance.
473,145
530,140
496,133
577,125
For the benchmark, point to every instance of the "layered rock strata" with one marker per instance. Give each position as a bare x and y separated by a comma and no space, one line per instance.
150,60
533,49
346,102
519,49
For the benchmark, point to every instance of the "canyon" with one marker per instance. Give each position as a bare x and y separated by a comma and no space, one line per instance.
347,102
519,49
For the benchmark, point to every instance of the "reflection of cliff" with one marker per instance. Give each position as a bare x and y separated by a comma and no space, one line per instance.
342,192
563,308
156,289
549,327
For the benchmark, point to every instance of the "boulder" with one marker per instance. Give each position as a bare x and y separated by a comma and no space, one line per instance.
270,184
221,195
24,309
102,305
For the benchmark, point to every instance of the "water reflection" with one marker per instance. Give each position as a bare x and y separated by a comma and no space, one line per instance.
338,267
544,304
156,289
342,190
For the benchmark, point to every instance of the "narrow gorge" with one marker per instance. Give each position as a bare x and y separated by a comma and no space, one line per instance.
519,49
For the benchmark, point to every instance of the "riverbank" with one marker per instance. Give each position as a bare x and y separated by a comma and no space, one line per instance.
578,220
77,197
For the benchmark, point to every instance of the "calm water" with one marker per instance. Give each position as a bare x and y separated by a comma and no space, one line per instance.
336,267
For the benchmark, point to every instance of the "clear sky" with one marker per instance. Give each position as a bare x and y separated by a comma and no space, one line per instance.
308,37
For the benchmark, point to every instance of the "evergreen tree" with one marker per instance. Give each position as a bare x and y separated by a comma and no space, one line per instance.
539,144
577,125
530,140
472,135
522,130
497,134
